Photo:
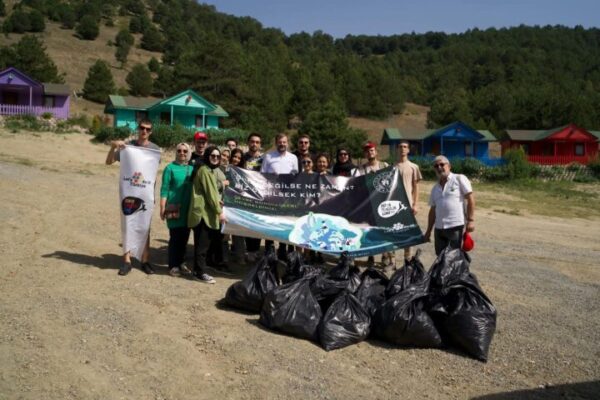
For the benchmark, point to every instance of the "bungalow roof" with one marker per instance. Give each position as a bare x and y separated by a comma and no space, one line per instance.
56,89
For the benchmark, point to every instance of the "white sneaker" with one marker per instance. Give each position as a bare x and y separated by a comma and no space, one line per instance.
205,278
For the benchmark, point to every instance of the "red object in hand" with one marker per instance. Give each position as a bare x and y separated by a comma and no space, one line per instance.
468,242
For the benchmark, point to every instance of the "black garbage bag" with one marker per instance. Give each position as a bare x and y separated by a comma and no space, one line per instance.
343,269
345,323
296,268
249,293
465,316
371,291
292,309
403,319
448,267
327,287
412,272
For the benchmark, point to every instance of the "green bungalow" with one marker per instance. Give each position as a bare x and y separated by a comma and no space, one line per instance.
186,108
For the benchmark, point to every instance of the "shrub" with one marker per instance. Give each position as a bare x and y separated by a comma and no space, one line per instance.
471,167
47,115
495,174
517,165
165,135
425,166
107,133
27,122
79,120
594,167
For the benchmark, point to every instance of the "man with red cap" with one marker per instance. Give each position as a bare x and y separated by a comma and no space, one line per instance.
447,212
200,143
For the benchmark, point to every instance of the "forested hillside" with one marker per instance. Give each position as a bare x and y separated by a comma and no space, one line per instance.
523,77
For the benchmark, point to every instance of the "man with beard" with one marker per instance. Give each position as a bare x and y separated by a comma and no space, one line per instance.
303,150
280,161
200,142
447,212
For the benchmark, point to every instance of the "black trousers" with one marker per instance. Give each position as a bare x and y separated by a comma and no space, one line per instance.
203,236
178,239
448,237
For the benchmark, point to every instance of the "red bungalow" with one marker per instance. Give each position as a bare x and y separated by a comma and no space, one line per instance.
562,145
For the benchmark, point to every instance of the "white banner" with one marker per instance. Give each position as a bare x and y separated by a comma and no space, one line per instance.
139,166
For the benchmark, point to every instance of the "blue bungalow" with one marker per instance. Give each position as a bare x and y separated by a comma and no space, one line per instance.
456,140
186,108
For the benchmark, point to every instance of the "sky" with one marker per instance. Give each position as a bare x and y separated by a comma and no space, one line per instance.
388,17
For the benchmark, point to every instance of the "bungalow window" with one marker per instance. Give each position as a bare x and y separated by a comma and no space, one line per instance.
579,149
199,123
140,115
165,117
49,101
525,147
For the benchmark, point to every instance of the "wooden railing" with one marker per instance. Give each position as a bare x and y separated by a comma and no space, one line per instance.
558,160
12,109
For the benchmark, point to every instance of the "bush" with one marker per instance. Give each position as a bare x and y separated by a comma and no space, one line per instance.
47,115
106,134
495,174
79,120
166,135
471,167
27,122
594,167
517,165
218,137
425,166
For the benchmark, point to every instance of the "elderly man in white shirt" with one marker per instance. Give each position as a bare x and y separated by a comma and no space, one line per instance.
280,161
447,210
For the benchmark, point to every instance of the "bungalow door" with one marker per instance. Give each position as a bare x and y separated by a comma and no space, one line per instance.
10,98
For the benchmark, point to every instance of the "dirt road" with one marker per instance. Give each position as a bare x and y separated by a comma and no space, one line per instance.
70,328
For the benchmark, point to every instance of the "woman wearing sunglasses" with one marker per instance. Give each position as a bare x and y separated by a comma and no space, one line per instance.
175,193
343,163
307,165
206,213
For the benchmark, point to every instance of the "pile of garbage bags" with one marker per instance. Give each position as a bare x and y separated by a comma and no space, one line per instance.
444,306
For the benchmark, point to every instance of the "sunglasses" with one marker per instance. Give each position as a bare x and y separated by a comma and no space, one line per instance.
303,142
440,165
306,162
343,154
215,155
184,151
145,128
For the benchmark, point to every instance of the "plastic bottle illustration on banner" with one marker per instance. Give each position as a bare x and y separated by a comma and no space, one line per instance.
325,232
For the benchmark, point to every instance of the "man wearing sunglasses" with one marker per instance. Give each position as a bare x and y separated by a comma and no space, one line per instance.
447,212
142,140
303,150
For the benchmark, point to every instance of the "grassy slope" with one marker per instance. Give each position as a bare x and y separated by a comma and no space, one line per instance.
74,57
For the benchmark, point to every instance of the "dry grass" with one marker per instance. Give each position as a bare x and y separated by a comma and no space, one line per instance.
413,117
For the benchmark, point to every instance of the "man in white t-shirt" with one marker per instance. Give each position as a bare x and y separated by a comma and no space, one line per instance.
447,210
280,161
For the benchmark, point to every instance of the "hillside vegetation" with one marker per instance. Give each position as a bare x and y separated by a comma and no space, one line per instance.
522,77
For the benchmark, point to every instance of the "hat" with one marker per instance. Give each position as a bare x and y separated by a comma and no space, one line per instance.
468,242
368,145
440,158
200,136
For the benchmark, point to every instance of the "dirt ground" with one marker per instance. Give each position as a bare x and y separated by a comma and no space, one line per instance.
71,328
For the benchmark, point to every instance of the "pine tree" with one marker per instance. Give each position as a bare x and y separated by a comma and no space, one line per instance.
124,37
139,80
2,9
154,65
29,55
87,28
36,19
121,54
99,82
152,40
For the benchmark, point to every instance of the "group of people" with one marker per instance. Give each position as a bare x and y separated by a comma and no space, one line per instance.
191,196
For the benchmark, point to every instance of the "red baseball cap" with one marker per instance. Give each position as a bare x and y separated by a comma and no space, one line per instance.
468,242
368,145
200,136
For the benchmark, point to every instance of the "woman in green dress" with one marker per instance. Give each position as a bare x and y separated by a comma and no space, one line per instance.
175,193
206,211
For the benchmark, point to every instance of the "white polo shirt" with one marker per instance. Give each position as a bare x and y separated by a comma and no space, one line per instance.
449,202
276,163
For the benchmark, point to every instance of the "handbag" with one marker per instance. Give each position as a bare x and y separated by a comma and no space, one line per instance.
172,211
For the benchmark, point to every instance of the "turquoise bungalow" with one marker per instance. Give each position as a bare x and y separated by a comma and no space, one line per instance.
186,108
456,140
